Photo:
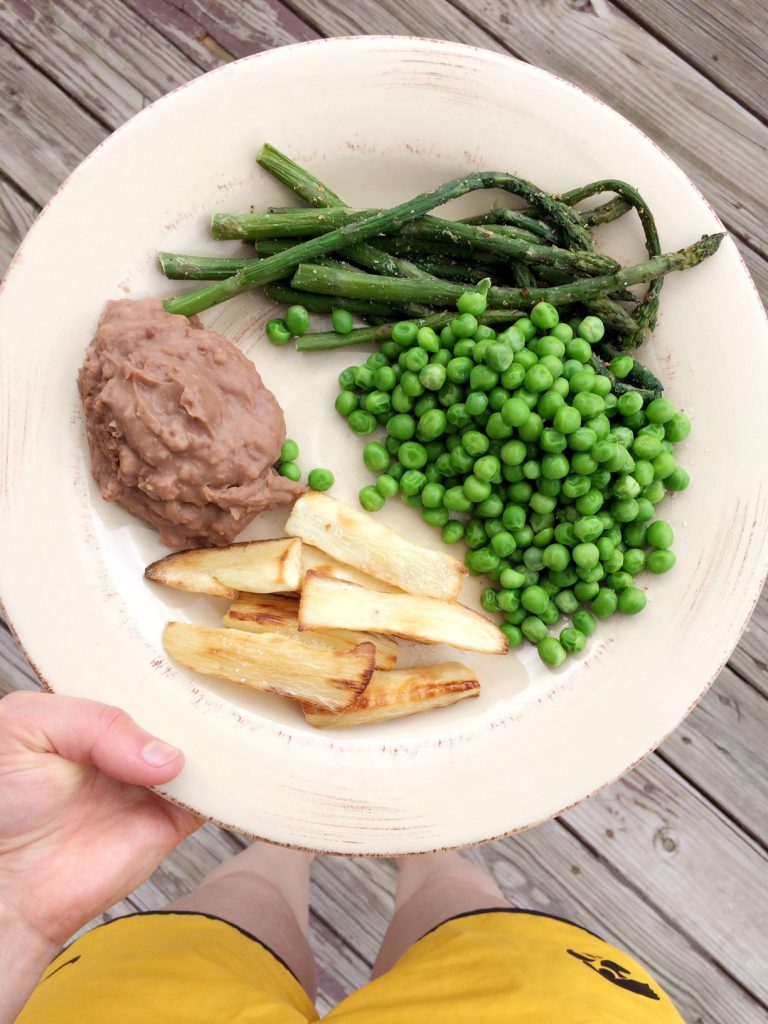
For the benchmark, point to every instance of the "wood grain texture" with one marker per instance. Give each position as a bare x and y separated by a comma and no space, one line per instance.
43,134
726,41
692,864
16,215
750,659
219,30
721,747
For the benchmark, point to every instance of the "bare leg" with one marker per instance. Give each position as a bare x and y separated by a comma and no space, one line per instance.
430,889
265,891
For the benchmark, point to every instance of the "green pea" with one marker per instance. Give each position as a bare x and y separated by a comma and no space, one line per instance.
278,332
538,379
512,579
432,495
660,561
634,561
412,455
386,485
591,329
582,380
486,468
677,428
498,356
655,492
402,427
384,378
476,490
573,640
578,349
404,333
432,424
622,366
476,403
400,401
660,534
660,410
483,378
585,591
619,580
378,402
590,503
533,629
544,316
542,502
586,555
605,603
548,404
497,398
588,404
678,480
320,479
631,601
464,326
461,461
347,378
342,321
453,531
534,599
496,428
520,493
489,599
412,500
391,350
362,422
513,376
371,499
412,482
434,516
551,651
664,466
584,623
503,543
289,451
532,428
289,470
433,376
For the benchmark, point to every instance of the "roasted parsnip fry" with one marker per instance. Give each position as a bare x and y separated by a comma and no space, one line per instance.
315,560
406,691
356,538
273,613
259,566
273,663
332,604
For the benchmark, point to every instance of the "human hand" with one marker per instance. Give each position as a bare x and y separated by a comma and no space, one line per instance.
78,830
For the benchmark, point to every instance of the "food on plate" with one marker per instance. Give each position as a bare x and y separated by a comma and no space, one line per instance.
258,567
334,604
353,537
273,613
402,692
562,244
509,412
182,432
274,663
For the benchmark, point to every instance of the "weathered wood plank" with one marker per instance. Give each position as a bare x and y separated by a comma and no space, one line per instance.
725,41
218,30
721,747
16,215
750,659
720,144
15,671
104,55
717,142
669,843
43,134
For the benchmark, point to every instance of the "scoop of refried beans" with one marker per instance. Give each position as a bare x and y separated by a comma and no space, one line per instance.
182,431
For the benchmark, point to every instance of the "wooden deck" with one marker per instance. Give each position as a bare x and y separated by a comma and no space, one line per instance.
670,862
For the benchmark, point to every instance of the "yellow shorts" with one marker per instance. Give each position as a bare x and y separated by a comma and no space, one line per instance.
514,967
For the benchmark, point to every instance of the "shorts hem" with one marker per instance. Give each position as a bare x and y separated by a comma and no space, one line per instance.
186,913
513,910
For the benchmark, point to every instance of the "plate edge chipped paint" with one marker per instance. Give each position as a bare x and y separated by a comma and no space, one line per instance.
354,795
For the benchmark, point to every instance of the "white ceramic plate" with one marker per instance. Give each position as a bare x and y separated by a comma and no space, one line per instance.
379,119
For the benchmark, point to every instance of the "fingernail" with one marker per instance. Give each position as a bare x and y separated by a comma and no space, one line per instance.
157,753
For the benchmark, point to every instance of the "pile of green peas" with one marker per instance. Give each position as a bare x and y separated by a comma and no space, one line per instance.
514,443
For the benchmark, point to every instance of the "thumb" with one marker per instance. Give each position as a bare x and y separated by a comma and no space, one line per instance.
88,732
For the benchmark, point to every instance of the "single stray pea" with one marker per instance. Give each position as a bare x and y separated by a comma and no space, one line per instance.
342,321
278,332
289,470
320,479
289,451
297,319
